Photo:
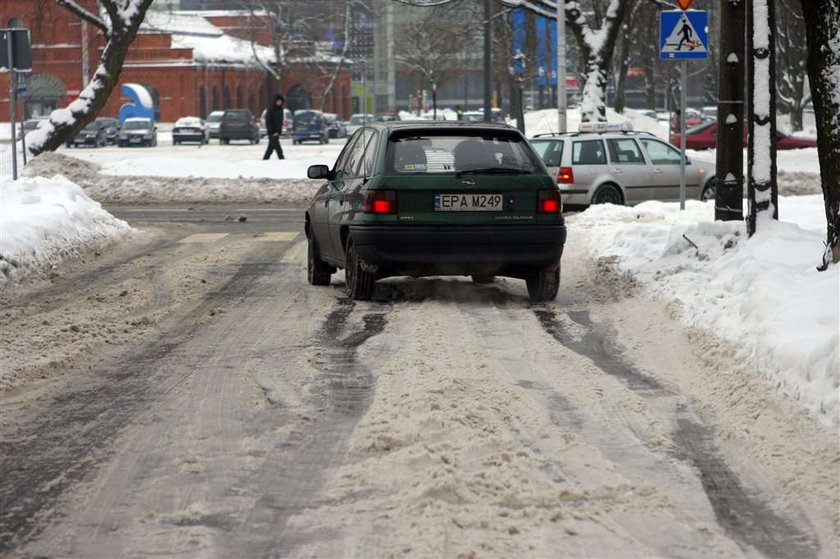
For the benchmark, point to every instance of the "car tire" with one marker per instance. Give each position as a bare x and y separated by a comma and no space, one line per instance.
359,282
709,191
483,279
544,283
608,194
318,272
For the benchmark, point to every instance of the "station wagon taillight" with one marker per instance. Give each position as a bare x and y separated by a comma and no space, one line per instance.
548,202
565,175
380,202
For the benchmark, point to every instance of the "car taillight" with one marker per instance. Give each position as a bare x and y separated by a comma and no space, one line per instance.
548,202
380,202
565,175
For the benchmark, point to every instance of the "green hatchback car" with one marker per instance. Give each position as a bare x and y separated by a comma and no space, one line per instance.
437,198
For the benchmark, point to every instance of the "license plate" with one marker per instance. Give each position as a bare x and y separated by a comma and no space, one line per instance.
135,140
469,202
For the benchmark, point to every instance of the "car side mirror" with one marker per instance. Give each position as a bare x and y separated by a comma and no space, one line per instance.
318,172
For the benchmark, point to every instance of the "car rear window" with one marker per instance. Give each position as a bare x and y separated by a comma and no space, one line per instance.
137,125
429,151
551,152
625,150
589,152
237,116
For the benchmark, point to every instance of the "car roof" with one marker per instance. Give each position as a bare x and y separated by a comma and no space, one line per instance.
593,135
138,119
441,124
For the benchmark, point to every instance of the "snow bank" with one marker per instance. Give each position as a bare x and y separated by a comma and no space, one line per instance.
762,294
44,221
184,166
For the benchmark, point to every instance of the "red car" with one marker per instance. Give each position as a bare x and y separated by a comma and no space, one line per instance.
705,137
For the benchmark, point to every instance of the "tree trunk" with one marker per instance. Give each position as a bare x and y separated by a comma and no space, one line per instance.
823,30
65,123
623,67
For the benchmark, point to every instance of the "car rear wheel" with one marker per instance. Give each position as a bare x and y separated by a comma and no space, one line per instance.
544,283
359,282
709,191
317,271
608,194
483,279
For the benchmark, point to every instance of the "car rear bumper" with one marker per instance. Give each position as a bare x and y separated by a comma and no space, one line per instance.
427,250
188,137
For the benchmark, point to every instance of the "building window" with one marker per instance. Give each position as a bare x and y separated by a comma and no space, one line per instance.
202,102
215,98
15,22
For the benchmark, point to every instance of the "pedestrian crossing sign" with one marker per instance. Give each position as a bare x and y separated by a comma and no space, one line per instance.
683,34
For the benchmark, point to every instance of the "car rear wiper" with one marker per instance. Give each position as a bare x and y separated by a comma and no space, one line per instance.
493,170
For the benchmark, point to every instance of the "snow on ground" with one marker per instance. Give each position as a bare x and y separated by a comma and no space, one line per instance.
545,121
762,294
43,221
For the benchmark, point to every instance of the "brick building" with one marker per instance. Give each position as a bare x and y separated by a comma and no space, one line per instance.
190,65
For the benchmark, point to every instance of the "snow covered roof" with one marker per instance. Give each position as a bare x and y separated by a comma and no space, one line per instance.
210,44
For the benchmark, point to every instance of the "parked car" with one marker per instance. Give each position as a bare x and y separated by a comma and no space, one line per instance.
335,126
112,128
238,124
29,126
705,137
496,116
213,121
612,164
309,125
261,123
137,132
386,116
189,129
709,113
93,135
693,118
357,121
436,198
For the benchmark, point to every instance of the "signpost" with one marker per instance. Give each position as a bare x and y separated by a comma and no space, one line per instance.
683,35
15,56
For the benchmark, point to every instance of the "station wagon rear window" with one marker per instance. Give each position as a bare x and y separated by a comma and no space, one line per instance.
551,152
426,152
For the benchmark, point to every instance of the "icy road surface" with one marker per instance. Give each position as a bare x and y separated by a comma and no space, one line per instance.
189,395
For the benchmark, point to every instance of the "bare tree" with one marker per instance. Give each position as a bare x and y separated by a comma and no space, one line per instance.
823,30
791,56
118,21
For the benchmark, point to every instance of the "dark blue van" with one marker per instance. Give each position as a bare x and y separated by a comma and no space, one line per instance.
309,126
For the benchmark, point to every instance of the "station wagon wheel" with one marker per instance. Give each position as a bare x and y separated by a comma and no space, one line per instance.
318,272
360,283
544,283
608,194
709,191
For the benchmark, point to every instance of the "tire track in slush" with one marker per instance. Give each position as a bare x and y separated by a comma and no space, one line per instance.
295,471
748,519
69,444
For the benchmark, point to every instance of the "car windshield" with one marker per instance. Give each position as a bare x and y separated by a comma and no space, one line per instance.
214,117
236,116
93,126
305,119
460,152
473,117
31,124
188,122
385,118
358,119
137,125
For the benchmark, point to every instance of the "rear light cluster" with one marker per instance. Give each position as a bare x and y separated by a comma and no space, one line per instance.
565,175
548,202
380,202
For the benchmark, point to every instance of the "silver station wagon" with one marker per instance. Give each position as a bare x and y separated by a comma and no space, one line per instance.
611,164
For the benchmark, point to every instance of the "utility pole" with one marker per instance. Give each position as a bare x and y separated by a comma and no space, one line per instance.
561,65
730,114
762,190
488,70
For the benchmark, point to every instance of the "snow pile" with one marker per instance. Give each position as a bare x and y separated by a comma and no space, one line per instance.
762,294
43,221
188,188
185,166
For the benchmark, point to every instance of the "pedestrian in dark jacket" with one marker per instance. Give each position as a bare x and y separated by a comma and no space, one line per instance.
274,126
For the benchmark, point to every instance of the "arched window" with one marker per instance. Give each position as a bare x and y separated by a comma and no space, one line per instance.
15,22
226,98
252,104
239,97
215,98
298,99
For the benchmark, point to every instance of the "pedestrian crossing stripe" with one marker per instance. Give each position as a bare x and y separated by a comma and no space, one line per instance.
276,236
203,238
683,34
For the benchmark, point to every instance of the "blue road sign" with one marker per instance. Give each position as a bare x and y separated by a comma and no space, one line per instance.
683,34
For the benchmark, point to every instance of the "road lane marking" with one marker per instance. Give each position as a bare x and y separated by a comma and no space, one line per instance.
276,236
204,238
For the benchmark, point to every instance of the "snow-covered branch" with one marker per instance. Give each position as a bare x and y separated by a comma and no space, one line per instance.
85,15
